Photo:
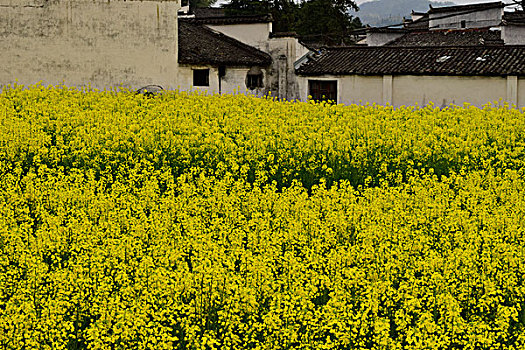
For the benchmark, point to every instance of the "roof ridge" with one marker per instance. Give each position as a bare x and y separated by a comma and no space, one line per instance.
431,47
482,5
233,41
436,60
206,41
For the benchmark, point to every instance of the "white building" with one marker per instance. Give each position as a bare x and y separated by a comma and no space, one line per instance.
283,49
450,55
417,75
89,42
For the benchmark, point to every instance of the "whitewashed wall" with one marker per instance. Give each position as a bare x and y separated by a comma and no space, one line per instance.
443,91
410,90
80,42
381,38
351,89
513,35
232,83
477,19
521,92
285,52
253,34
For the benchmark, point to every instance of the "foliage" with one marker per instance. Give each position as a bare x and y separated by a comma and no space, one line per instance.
326,21
229,222
324,18
193,4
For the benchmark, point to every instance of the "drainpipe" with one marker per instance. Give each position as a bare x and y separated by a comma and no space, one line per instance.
222,73
283,70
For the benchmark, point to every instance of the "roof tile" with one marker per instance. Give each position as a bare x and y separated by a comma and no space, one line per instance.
473,60
201,45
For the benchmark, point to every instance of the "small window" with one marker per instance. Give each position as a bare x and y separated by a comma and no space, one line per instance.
323,90
254,78
201,77
463,24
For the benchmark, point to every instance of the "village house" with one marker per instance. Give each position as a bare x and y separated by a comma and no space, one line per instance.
447,55
130,44
451,55
275,74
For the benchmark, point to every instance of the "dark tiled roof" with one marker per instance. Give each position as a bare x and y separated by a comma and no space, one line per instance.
201,45
283,35
219,16
490,61
465,37
386,30
514,18
471,7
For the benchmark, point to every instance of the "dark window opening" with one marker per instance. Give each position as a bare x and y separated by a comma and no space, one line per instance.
254,81
201,77
463,24
323,90
254,78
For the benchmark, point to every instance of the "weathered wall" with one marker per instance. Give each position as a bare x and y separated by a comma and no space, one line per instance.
186,79
285,52
253,34
408,90
104,43
478,19
446,90
521,92
351,89
380,39
513,35
233,82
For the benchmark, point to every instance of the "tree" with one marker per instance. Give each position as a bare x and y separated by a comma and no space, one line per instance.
282,11
329,19
200,3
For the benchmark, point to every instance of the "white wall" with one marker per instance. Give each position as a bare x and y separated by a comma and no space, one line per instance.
351,89
285,52
380,39
253,34
232,83
478,19
446,90
410,90
513,35
521,91
80,42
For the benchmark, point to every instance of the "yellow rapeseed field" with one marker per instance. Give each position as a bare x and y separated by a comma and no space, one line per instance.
186,221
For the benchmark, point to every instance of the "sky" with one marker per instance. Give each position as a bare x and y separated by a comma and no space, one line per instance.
459,2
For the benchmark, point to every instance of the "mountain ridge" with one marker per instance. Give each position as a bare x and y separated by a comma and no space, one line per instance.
389,12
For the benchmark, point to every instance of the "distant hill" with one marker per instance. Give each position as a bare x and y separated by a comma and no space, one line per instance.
387,12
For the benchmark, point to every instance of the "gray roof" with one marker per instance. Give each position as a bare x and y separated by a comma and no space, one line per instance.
467,8
463,37
219,16
201,45
514,18
381,60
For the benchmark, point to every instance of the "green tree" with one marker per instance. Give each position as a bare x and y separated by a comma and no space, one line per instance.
199,3
327,19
